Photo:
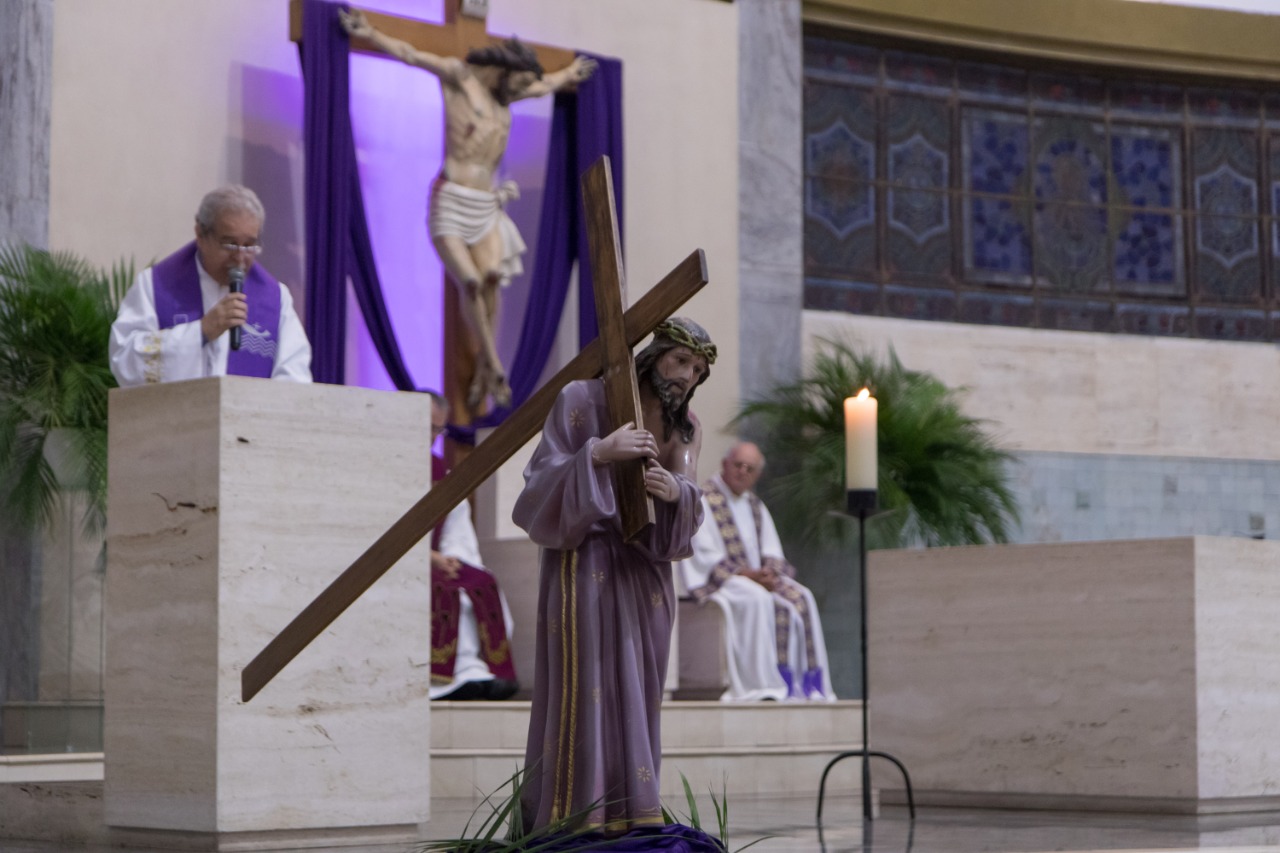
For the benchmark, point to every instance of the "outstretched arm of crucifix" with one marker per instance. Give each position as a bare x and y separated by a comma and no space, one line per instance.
572,74
446,68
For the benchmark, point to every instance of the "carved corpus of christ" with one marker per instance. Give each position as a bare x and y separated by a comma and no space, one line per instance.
475,238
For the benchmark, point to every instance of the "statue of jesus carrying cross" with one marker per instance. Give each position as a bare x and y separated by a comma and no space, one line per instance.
476,240
633,444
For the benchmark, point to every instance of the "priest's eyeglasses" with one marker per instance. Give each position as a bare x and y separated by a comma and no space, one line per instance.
251,249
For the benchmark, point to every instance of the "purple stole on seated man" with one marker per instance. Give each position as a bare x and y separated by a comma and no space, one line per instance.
176,282
736,559
446,608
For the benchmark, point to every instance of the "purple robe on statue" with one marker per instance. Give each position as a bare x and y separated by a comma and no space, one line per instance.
605,610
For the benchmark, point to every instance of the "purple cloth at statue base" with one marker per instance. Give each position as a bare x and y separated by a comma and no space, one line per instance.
673,838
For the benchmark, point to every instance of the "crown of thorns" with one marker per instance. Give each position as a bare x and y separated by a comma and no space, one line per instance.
679,334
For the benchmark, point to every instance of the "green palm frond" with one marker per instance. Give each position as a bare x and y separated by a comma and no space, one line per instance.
942,480
56,311
495,825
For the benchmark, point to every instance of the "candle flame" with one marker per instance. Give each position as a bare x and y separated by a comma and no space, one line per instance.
863,394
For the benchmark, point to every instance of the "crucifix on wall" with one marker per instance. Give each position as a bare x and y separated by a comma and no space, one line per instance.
480,76
609,354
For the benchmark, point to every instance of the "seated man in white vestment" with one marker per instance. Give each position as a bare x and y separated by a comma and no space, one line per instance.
471,622
175,322
773,634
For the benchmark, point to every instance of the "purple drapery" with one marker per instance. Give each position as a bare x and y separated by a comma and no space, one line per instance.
583,126
338,244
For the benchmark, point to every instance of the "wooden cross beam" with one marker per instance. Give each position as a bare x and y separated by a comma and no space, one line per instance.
459,34
622,394
643,317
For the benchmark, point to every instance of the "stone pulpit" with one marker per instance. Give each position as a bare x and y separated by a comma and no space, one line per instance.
233,502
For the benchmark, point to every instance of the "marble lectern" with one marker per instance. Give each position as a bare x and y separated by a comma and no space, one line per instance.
1137,675
233,502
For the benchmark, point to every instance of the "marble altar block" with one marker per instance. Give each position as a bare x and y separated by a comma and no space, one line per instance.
1138,675
232,503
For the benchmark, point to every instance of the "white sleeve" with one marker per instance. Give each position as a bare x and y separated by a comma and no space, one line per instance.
293,361
458,536
770,544
141,352
708,552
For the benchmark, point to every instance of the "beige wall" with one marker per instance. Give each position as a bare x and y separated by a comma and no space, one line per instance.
1079,392
148,114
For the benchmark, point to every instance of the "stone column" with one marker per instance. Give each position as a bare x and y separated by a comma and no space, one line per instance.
770,181
26,85
26,71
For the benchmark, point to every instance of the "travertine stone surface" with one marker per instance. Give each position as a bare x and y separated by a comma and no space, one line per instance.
233,502
744,749
1080,392
1237,637
1090,674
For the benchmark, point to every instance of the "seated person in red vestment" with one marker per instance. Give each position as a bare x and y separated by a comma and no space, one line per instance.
470,621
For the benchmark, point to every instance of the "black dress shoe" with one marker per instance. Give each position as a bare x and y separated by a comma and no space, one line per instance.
500,688
467,691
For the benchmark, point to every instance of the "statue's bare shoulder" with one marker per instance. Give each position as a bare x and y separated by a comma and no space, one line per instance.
680,457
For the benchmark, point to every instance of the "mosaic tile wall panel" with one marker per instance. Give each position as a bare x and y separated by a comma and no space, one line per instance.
918,173
1081,497
985,192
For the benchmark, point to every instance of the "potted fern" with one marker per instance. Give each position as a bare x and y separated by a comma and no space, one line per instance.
943,481
56,311
55,319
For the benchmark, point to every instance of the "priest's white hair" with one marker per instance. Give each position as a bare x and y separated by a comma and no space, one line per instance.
232,198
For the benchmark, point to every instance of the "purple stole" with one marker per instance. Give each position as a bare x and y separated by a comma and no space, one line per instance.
735,554
446,608
736,559
176,282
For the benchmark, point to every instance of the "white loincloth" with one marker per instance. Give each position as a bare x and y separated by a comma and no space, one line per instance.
458,211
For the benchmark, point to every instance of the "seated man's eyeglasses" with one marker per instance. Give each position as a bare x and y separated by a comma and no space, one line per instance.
251,249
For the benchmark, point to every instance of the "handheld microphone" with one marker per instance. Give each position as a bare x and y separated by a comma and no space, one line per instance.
237,286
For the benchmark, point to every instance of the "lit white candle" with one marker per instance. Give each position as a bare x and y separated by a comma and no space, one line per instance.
860,471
